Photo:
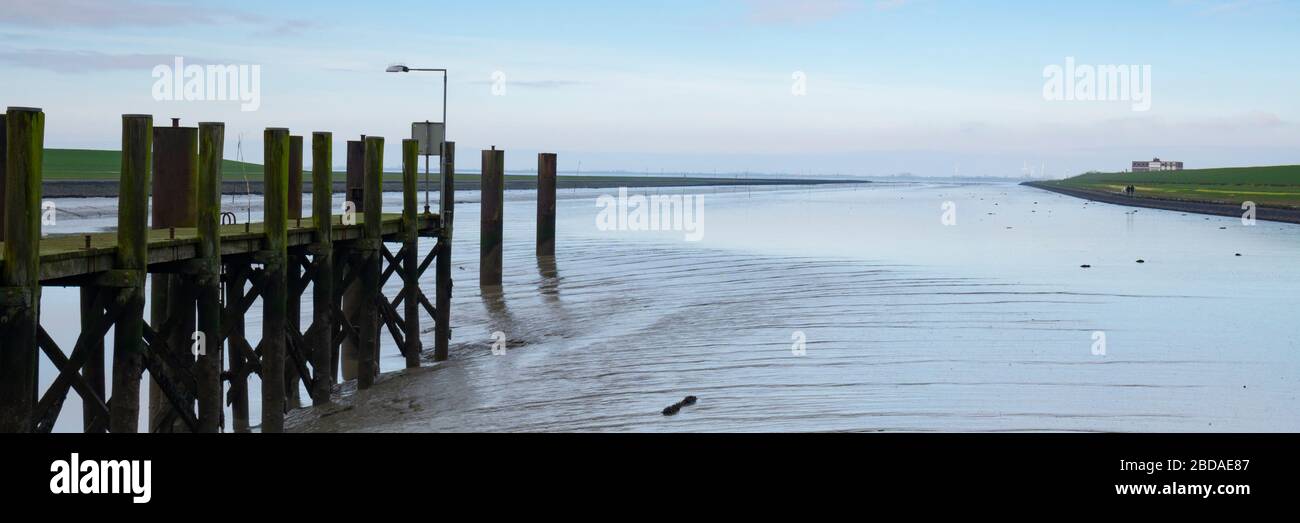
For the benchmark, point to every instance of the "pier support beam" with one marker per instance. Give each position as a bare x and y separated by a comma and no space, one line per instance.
276,292
93,372
174,181
236,280
20,276
322,148
446,214
207,366
352,303
293,307
369,247
132,257
2,175
411,257
546,204
491,222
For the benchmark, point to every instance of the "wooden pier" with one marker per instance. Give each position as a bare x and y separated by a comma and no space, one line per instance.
206,277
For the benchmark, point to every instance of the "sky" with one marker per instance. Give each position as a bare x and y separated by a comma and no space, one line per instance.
853,87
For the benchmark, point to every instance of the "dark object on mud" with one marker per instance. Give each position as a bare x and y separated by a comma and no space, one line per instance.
672,409
1238,254
1141,261
1085,266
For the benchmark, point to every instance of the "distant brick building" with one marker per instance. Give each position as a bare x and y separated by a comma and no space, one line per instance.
1156,165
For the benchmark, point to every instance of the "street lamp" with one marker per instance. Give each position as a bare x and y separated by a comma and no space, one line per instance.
404,69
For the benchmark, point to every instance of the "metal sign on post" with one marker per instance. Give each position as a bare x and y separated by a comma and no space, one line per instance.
429,136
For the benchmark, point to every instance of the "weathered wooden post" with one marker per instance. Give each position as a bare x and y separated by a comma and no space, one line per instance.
293,306
372,237
175,178
322,148
2,175
546,204
353,187
132,260
236,280
411,256
446,214
207,367
93,372
20,275
491,222
275,291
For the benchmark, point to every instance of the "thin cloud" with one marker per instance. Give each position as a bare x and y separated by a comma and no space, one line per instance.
799,12
1208,7
65,61
537,84
125,13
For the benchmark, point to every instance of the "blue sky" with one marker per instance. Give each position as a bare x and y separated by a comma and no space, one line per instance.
930,87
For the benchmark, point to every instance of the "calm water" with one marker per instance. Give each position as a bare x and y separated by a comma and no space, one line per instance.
985,325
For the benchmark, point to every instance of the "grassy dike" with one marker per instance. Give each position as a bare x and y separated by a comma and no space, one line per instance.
1275,190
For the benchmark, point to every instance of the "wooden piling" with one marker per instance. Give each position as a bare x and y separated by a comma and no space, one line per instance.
352,302
275,292
322,147
356,173
93,372
546,204
411,257
293,305
2,175
372,237
446,214
491,222
207,366
174,182
20,289
236,280
132,258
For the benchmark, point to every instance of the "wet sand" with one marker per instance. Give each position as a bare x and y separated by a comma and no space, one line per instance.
910,325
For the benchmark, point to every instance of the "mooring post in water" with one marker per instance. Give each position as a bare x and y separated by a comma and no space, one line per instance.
369,245
546,204
322,149
411,256
446,214
293,305
20,276
353,187
132,260
207,366
174,180
275,291
236,279
491,222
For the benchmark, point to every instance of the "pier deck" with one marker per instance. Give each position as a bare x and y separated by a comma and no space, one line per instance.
65,256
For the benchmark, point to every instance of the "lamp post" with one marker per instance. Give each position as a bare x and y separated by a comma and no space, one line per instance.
404,69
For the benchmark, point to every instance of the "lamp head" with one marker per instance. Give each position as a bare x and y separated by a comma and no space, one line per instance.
398,69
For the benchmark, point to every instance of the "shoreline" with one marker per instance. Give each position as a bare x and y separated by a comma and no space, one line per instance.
1271,214
108,188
